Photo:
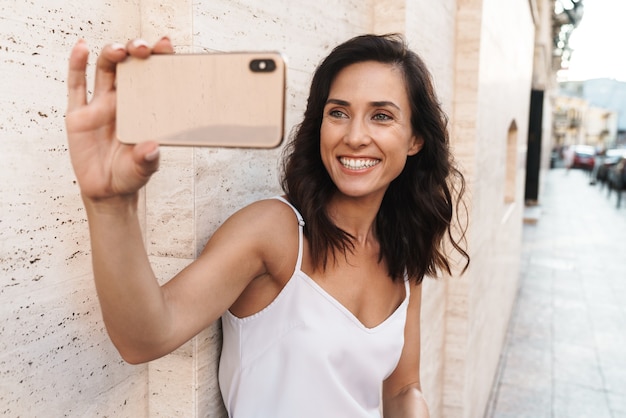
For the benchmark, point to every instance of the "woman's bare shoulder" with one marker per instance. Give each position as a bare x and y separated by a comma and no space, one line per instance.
259,230
268,210
267,228
266,218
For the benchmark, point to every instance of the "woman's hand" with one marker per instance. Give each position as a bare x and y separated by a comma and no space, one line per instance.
105,167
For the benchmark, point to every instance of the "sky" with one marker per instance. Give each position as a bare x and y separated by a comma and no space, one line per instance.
599,42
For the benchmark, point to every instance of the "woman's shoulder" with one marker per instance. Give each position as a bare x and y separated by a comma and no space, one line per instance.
270,227
265,227
267,216
276,206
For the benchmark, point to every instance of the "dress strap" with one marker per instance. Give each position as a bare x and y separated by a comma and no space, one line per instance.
407,287
300,230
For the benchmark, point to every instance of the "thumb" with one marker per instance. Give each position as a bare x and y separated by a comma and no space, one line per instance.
146,156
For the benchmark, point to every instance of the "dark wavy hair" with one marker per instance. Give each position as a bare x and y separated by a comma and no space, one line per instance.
418,206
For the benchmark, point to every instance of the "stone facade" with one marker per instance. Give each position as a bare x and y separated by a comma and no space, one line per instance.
56,359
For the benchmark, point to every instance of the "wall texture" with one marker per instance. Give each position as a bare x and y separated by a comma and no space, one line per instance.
55,356
504,80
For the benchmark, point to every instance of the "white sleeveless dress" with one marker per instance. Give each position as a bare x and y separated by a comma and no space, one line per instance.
306,355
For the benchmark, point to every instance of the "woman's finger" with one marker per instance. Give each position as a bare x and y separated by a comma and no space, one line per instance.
139,48
105,67
76,77
163,46
146,156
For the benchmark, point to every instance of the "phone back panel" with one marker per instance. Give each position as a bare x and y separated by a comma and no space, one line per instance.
218,99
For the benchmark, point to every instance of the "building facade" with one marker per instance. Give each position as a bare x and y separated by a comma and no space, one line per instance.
56,358
599,110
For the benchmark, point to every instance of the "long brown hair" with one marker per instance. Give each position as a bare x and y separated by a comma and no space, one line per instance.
418,207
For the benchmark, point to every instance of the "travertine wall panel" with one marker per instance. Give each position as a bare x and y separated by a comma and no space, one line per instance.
173,18
464,141
389,16
431,32
498,56
170,224
56,358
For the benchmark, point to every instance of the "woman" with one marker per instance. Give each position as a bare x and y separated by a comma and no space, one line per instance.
321,311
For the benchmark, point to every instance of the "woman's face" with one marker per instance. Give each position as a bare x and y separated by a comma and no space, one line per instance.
366,134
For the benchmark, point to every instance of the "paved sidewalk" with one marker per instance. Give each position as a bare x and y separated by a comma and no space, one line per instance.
565,352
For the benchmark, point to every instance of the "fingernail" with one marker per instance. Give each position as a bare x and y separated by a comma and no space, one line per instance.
118,47
140,43
165,38
152,155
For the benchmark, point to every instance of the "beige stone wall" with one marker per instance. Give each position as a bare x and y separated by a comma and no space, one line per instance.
55,356
493,82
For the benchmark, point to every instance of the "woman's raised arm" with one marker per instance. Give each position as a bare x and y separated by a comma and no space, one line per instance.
110,175
144,320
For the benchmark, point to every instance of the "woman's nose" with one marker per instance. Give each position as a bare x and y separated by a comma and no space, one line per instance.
358,134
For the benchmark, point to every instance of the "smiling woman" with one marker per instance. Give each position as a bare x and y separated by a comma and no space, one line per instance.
321,312
365,140
422,193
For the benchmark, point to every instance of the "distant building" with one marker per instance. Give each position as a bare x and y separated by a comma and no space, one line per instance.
576,121
567,117
604,121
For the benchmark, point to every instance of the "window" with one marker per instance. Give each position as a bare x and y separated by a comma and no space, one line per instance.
511,164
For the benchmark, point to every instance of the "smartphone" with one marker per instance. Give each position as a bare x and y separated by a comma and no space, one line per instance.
234,99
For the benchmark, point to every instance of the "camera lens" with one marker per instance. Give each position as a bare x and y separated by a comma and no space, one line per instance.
262,65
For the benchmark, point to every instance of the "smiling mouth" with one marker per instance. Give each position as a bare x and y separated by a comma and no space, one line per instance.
358,163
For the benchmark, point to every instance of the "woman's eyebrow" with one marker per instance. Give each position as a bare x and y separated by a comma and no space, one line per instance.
384,103
338,102
378,103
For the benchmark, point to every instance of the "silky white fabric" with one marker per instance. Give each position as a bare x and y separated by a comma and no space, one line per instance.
306,355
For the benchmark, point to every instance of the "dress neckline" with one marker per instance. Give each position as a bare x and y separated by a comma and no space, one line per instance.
334,301
321,290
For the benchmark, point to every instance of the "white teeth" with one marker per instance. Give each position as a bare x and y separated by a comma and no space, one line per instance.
358,164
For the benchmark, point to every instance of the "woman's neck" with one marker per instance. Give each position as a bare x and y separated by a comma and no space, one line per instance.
355,216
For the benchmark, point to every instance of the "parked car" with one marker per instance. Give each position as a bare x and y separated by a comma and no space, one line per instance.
617,179
584,157
610,159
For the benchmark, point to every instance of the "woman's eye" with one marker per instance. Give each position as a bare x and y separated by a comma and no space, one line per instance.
382,117
337,114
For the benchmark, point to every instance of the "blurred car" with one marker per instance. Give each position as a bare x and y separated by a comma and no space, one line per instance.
617,179
584,157
609,160
617,175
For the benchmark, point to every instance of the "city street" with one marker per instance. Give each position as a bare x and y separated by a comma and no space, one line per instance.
565,352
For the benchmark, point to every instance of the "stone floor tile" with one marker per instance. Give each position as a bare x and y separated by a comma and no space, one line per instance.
574,401
574,328
617,404
611,349
615,378
516,402
577,364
